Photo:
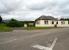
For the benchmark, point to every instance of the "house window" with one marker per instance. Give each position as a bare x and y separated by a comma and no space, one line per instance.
57,22
45,22
37,22
62,22
52,22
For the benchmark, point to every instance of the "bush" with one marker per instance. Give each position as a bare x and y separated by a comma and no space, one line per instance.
14,23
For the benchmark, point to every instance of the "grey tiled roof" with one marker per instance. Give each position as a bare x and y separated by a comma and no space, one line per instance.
43,17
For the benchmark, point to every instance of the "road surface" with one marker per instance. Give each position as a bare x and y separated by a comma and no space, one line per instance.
24,40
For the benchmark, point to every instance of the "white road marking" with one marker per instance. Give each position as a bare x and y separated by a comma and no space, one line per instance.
41,47
54,42
46,48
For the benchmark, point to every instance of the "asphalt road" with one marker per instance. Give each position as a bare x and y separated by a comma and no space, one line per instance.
24,40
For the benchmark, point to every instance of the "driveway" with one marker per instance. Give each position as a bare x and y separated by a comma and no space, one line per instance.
24,40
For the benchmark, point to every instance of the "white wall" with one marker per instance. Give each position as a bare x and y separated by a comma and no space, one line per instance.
62,25
42,24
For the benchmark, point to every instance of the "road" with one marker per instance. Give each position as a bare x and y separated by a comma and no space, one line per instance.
24,40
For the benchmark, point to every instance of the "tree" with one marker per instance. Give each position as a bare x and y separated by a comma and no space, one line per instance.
64,19
0,19
14,23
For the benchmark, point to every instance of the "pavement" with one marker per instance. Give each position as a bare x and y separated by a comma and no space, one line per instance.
25,39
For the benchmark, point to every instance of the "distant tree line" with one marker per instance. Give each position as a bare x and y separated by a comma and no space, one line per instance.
16,23
64,19
12,23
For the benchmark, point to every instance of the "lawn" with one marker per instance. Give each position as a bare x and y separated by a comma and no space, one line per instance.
4,28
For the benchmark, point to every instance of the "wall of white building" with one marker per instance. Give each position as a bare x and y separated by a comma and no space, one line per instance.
42,24
66,24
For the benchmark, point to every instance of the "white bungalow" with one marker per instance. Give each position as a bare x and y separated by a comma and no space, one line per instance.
49,21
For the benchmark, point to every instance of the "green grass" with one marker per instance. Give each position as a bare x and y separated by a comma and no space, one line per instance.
4,28
38,28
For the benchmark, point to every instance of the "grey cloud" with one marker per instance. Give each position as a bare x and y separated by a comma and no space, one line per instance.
54,7
60,8
8,5
37,6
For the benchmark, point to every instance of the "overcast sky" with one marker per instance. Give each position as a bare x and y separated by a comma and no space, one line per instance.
33,8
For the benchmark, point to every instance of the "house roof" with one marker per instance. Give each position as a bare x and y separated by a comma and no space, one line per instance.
43,17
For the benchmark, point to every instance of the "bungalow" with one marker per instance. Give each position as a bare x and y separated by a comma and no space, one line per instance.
47,21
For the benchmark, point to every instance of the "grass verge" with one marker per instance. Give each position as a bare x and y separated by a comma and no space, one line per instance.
38,28
4,28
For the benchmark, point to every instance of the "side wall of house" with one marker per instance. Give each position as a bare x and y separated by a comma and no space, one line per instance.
42,24
60,24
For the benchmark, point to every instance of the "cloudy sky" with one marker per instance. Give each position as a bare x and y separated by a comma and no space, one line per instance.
28,9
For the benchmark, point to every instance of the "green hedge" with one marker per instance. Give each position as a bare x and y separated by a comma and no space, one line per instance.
15,23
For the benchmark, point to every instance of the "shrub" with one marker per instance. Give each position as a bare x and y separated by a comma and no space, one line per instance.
14,23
